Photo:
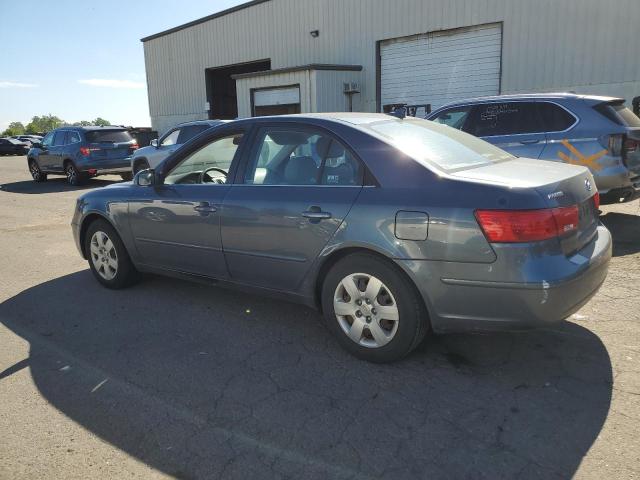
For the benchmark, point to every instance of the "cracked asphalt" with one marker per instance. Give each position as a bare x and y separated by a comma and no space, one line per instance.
174,380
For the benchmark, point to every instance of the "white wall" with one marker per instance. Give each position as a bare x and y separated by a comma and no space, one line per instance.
582,45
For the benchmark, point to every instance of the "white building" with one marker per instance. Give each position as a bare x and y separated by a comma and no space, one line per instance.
282,56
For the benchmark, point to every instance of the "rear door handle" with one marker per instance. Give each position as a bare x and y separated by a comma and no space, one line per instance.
316,213
205,207
529,142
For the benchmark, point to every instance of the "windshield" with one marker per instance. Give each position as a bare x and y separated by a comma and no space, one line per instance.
438,145
108,136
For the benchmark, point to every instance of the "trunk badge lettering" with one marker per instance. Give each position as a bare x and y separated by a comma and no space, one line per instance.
553,195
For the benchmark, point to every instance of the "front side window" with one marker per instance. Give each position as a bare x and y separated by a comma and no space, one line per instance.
58,140
210,164
301,157
510,118
454,117
170,139
435,145
48,139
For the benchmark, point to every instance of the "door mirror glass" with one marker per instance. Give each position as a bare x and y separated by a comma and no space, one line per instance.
154,143
145,178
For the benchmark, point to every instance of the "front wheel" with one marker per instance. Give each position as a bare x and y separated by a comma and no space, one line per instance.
373,309
126,176
108,257
74,177
36,173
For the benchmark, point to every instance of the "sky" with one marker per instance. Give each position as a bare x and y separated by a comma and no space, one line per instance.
80,59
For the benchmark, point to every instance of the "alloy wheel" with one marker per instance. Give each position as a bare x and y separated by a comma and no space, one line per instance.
103,255
71,174
35,170
366,310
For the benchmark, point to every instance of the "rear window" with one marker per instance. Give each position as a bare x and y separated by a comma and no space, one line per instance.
437,145
619,114
108,136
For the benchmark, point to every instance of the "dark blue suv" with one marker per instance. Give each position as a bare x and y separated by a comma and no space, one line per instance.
82,152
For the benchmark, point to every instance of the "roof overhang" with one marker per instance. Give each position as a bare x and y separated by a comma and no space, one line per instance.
311,66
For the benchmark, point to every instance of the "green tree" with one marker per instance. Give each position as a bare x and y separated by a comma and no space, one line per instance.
45,123
14,128
82,123
101,122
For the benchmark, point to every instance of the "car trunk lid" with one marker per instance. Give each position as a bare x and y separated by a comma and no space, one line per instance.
559,184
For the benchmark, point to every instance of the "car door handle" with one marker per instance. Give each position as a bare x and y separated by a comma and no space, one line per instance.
205,207
529,142
315,213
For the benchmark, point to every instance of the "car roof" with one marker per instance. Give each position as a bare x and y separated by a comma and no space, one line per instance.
532,96
353,118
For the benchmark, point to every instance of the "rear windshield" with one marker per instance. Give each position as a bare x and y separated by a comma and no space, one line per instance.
438,145
618,113
108,136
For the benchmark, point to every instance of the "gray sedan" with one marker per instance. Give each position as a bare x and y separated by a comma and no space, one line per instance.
391,227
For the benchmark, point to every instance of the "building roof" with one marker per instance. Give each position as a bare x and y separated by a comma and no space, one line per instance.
242,6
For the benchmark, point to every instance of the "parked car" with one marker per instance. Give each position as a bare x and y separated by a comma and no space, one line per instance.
11,146
597,132
82,152
31,139
392,228
159,149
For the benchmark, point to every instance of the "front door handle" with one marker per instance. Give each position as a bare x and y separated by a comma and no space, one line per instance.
205,207
529,142
316,213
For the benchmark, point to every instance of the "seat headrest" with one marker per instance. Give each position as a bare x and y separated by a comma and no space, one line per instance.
329,148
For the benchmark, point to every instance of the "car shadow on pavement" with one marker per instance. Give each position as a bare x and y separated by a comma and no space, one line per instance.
625,231
203,382
53,185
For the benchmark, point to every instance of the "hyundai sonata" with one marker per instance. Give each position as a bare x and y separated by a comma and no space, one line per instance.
391,227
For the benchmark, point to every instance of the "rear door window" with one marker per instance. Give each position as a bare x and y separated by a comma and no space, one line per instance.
454,117
73,137
59,138
555,118
509,118
108,136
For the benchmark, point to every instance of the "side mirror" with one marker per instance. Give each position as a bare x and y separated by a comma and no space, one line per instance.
154,143
145,178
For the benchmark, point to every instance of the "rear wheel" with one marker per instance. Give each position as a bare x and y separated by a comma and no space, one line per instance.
74,176
373,309
108,257
36,173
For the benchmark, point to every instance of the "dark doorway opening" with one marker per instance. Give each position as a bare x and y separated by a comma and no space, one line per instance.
262,111
221,88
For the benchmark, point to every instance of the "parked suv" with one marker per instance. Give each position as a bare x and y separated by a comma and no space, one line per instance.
597,132
151,156
82,152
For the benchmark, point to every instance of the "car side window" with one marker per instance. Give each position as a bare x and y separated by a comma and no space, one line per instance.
301,157
187,133
73,137
209,164
454,117
48,139
509,118
171,139
59,138
555,118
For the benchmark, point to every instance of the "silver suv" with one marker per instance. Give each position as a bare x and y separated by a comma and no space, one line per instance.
151,156
597,132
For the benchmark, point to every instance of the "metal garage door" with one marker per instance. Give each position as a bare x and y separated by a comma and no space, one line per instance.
440,67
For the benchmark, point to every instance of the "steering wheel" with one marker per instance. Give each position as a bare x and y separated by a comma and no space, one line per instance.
213,179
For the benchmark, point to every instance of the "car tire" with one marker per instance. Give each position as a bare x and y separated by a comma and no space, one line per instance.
382,327
108,258
140,165
36,173
74,176
127,177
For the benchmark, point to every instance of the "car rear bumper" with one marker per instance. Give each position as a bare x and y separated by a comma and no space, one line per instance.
461,304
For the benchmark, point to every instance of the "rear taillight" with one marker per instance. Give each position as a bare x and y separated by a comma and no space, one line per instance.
134,146
86,151
596,200
517,226
615,144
